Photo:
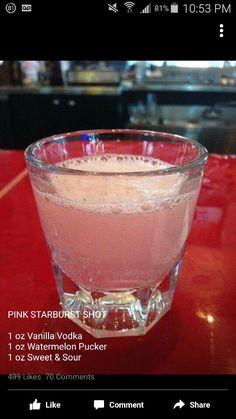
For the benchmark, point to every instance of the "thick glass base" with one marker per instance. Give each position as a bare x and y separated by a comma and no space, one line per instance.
116,313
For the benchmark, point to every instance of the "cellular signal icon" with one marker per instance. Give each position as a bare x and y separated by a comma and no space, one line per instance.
129,5
147,9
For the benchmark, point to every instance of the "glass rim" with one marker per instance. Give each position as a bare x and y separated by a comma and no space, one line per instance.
199,160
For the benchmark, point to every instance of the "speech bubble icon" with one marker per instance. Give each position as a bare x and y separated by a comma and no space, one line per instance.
99,404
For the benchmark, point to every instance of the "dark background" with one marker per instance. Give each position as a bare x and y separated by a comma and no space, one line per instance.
88,30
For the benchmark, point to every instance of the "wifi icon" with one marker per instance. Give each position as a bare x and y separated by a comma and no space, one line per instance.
129,5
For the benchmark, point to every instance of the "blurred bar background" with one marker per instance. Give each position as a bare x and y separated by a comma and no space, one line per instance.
196,99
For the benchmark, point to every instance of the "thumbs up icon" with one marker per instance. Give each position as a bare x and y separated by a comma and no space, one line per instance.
35,405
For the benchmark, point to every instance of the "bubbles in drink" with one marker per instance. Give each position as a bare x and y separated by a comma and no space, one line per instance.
115,183
112,163
116,223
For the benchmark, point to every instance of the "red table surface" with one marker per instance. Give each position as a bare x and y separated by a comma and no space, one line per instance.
10,166
197,336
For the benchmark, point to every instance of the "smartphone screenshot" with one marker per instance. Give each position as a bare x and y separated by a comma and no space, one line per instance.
117,209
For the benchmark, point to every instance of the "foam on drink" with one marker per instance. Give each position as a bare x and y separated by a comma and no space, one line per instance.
133,181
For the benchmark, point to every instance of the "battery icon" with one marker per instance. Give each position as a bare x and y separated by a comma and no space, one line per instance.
174,8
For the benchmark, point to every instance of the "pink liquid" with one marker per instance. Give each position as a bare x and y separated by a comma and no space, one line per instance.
116,232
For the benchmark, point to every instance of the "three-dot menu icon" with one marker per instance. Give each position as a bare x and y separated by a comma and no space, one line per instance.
221,30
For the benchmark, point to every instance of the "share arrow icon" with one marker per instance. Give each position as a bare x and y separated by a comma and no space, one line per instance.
180,404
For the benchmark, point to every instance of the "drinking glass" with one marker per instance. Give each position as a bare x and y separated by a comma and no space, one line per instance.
116,208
